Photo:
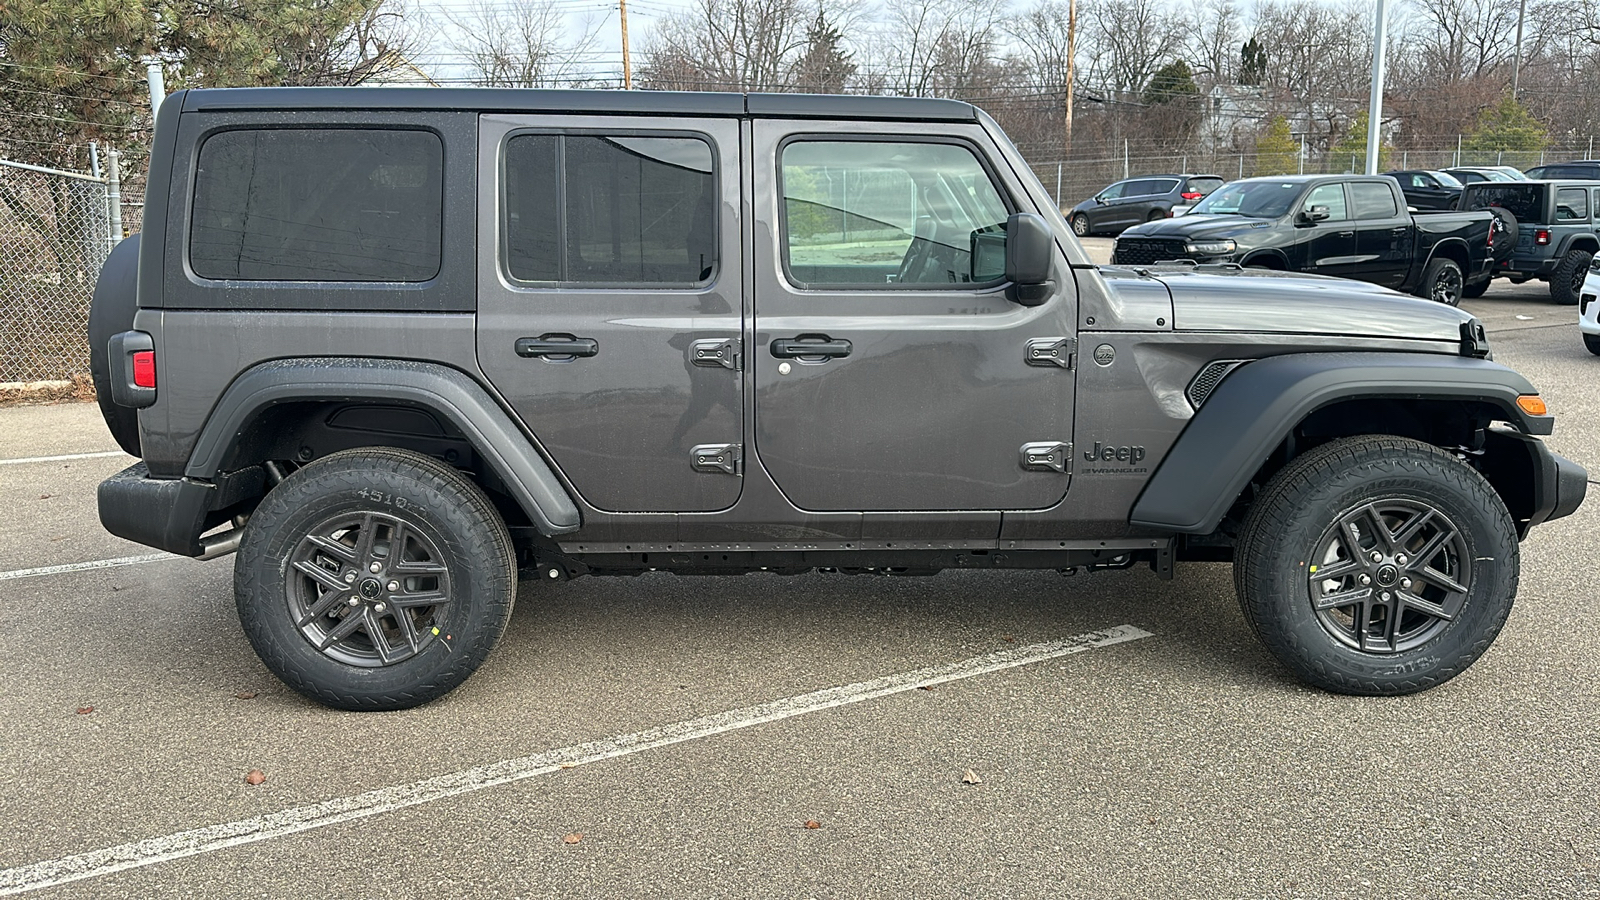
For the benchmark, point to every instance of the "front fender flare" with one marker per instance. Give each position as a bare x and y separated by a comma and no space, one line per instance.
448,393
1250,413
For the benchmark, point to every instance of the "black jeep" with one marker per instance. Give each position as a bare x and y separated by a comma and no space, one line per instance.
398,347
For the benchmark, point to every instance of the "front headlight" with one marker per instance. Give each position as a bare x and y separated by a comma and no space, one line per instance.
1210,248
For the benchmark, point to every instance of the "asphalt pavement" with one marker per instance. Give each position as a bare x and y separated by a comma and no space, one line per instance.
676,736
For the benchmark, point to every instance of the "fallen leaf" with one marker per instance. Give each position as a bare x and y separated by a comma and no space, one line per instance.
256,776
85,710
813,824
1152,820
44,496
572,838
971,778
569,765
246,695
1009,639
926,687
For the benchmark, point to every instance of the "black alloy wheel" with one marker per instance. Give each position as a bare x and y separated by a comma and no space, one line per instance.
375,579
366,589
1392,576
1377,565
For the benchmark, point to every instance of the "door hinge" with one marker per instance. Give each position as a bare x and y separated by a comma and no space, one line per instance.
721,459
1047,456
714,352
1051,351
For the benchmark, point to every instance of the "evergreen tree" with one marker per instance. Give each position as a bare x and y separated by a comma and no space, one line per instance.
1173,81
826,67
1507,126
1350,151
1252,63
1277,153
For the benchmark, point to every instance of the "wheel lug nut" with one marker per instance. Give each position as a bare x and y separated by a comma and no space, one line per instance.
1365,579
1405,583
354,602
1376,557
1401,559
378,607
393,586
375,568
349,577
1385,597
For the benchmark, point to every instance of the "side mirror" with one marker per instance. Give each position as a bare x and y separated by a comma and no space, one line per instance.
1315,214
1029,248
1099,199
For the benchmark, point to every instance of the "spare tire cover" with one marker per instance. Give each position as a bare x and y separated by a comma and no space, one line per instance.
116,299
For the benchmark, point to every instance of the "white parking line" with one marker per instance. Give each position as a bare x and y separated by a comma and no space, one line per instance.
62,458
371,803
114,563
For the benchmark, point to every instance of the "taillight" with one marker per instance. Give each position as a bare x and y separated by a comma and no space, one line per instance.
144,368
1541,237
1191,195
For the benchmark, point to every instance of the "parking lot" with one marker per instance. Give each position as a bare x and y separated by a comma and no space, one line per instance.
680,736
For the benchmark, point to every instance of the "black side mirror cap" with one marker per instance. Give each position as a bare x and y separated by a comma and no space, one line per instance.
1030,245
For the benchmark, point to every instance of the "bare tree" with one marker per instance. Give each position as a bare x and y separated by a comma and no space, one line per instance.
726,45
519,43
1214,39
1126,41
943,48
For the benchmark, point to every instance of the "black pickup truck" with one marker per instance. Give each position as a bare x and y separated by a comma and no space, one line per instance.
1350,226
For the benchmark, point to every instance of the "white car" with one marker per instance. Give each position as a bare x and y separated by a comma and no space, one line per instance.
1589,308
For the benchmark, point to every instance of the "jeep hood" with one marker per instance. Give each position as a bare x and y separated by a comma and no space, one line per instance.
1252,300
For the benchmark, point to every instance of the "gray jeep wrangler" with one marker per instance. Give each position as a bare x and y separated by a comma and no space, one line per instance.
398,347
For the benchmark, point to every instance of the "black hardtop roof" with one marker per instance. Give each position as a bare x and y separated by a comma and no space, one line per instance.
579,102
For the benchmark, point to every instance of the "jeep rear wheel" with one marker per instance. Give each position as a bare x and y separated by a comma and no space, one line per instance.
1377,566
375,579
1566,282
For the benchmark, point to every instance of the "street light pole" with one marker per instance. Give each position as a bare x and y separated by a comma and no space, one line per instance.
1375,105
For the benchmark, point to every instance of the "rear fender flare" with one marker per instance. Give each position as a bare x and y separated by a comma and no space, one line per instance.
448,393
1251,412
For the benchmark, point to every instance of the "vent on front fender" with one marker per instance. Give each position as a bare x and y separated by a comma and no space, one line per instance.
1209,377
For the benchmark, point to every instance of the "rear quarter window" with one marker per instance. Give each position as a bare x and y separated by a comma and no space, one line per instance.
318,204
1204,185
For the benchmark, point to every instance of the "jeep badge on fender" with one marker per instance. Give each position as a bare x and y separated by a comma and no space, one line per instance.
415,345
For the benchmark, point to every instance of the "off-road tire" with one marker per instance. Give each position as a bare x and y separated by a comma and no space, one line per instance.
1080,225
1442,282
1289,529
1592,341
446,526
1566,282
1474,291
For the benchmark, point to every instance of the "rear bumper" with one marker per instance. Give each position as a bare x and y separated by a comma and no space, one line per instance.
166,513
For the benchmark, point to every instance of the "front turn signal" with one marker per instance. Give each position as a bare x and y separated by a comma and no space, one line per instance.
1533,405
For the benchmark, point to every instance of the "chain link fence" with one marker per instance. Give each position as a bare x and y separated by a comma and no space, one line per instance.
54,234
1083,176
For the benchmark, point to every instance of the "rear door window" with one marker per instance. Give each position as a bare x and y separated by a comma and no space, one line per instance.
610,209
1372,200
318,204
1152,186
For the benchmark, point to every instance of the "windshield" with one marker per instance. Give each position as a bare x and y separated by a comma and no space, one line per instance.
1260,199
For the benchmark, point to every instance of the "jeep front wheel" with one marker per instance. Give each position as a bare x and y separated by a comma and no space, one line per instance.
375,579
1377,566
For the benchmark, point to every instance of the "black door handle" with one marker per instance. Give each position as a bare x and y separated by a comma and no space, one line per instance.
808,345
557,346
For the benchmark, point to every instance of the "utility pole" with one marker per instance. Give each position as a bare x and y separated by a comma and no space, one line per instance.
1072,48
627,60
1380,37
158,87
1516,56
